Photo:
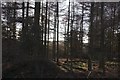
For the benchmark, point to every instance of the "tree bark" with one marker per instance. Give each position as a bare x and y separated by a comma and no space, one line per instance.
48,32
14,22
54,37
57,32
45,36
102,62
36,29
67,42
90,50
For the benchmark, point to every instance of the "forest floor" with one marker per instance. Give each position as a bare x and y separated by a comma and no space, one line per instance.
36,68
80,66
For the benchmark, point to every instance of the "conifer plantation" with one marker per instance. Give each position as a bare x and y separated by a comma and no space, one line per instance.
62,39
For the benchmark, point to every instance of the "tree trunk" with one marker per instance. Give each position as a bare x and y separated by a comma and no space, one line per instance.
48,32
14,22
71,37
67,42
45,36
81,31
57,32
90,38
25,34
36,29
54,37
23,15
102,62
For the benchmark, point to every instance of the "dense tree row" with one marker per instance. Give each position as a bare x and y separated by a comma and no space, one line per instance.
100,22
